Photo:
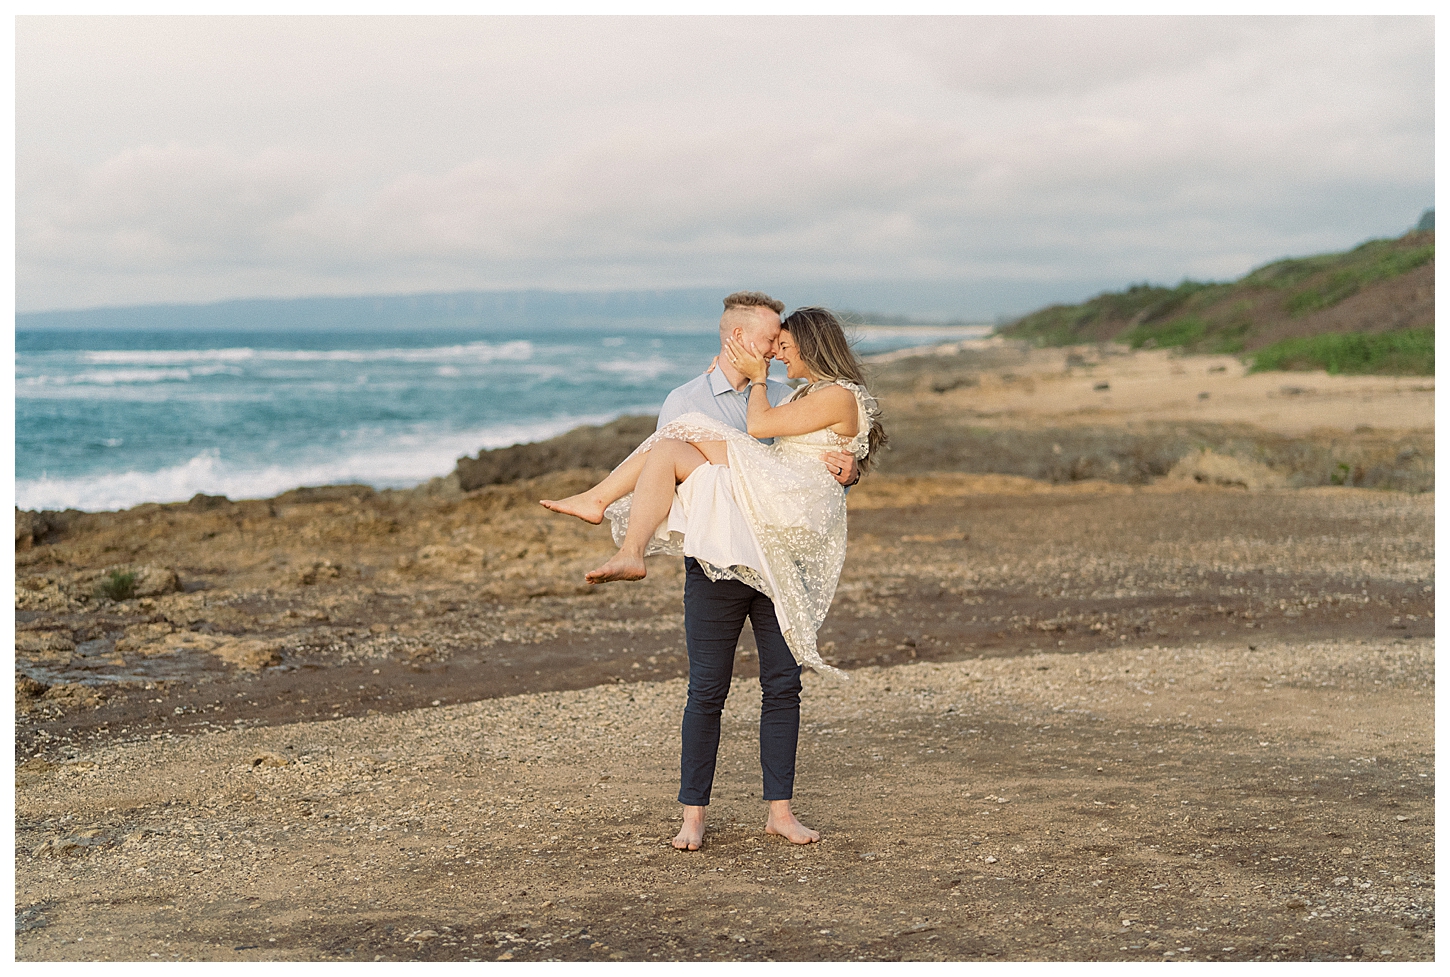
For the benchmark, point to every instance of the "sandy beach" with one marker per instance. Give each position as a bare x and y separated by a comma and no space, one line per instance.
1180,708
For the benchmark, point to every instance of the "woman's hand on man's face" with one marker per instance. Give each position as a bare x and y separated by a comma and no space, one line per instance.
751,362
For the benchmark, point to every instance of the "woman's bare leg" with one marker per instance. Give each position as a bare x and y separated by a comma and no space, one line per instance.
667,464
590,505
715,452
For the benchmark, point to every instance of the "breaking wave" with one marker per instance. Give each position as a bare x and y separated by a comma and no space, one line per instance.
368,457
479,352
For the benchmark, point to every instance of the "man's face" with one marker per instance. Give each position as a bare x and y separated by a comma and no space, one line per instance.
754,324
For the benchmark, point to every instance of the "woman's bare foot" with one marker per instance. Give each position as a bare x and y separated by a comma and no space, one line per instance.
581,506
692,834
619,567
782,822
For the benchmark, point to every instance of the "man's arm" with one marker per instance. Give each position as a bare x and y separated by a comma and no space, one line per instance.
672,408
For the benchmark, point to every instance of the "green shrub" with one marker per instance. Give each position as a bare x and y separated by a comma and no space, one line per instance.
1336,288
1230,339
1192,314
1063,325
1404,351
1289,272
1371,266
1184,331
118,585
1165,302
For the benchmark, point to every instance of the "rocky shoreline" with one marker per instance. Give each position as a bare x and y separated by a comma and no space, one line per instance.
935,398
1180,711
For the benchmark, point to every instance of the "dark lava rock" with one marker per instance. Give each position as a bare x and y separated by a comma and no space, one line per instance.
201,502
595,446
326,493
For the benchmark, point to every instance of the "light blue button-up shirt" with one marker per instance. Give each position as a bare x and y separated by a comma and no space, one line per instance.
711,394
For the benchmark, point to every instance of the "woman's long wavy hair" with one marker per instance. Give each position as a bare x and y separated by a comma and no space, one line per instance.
821,343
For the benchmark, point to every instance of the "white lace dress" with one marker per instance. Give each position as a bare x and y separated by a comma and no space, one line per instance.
774,519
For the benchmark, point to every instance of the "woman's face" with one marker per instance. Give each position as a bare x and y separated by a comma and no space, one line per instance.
786,352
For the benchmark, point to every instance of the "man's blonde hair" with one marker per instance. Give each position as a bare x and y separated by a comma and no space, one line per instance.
745,300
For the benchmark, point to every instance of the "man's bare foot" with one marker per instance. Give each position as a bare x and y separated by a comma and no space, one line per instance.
782,822
619,567
692,834
580,506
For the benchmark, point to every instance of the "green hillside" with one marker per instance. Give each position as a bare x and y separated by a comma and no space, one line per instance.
1367,310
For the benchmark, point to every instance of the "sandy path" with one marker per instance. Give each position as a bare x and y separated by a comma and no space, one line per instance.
1209,803
1110,385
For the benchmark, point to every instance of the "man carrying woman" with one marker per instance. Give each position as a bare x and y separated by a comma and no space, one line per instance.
762,524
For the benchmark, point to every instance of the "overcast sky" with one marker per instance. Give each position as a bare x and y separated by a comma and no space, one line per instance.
965,166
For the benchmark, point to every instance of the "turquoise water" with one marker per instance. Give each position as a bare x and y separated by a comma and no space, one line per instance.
110,419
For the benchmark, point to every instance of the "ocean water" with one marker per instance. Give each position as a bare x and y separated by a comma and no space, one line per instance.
106,419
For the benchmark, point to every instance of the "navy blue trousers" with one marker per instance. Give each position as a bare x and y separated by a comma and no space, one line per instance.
715,613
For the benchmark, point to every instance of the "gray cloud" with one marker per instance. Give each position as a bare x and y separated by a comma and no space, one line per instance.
161,159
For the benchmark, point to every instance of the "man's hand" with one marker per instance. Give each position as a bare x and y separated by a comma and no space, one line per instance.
842,466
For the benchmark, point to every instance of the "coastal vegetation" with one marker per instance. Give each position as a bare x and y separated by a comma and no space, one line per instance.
117,585
1404,351
1367,310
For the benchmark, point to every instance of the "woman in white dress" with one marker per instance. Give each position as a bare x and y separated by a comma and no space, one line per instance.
770,516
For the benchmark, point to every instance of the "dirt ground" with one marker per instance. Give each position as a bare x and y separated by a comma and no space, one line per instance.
1086,721
1198,715
1131,804
939,567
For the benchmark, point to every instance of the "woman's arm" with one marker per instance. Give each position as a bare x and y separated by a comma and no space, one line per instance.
829,407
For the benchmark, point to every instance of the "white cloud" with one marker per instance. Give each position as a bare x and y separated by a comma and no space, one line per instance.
154,207
1031,57
292,157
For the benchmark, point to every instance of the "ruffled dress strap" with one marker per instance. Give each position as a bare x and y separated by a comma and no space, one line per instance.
867,411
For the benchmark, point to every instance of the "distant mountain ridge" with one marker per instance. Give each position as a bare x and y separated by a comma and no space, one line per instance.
436,310
1379,296
889,319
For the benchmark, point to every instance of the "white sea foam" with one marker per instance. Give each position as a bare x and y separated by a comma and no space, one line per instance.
649,367
148,392
479,352
167,357
370,457
110,378
105,377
